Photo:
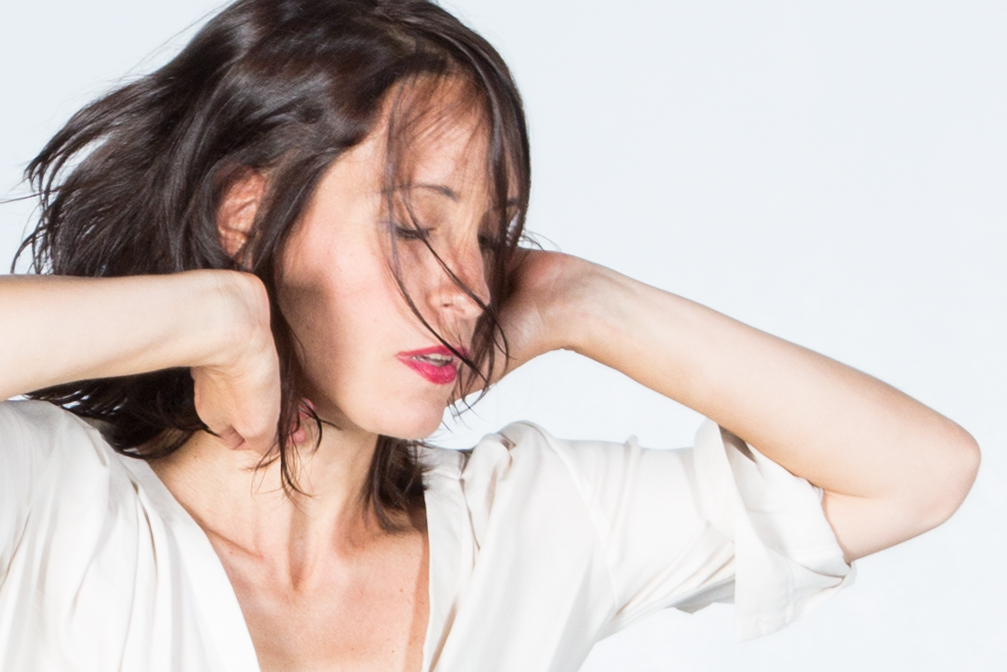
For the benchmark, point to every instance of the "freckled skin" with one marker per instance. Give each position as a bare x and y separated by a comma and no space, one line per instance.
360,602
338,292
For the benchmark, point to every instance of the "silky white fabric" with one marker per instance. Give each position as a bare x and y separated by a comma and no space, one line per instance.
538,548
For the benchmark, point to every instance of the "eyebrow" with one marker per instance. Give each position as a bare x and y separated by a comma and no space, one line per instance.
445,190
441,189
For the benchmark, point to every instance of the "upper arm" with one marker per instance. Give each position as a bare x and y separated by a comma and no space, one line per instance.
684,528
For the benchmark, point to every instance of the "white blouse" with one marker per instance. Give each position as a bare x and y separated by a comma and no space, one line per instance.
538,548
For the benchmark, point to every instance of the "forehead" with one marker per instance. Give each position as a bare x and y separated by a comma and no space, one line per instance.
430,144
441,141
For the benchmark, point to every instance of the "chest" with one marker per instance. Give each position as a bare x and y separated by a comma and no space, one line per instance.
365,612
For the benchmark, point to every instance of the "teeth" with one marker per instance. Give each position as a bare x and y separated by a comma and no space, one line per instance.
438,360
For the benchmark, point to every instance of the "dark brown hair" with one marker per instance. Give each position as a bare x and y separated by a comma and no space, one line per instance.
132,184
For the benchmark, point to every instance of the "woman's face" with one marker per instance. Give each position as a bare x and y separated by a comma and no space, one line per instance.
369,362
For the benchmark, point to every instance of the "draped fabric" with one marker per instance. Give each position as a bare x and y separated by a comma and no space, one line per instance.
538,548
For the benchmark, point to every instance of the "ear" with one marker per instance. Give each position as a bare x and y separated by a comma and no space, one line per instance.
237,212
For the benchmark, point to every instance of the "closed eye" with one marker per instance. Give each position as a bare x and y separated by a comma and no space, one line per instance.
410,233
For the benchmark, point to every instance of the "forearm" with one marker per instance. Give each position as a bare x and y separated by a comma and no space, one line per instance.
874,450
59,329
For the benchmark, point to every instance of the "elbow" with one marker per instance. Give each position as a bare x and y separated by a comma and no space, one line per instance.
933,481
952,476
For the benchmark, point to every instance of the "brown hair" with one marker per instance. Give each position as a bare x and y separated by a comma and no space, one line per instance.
132,184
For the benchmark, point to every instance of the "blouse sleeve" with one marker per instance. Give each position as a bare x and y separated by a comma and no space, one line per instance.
684,528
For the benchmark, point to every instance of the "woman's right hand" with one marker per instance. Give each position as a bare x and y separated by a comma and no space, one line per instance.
56,330
237,391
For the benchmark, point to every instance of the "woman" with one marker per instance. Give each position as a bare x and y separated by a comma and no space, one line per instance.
291,248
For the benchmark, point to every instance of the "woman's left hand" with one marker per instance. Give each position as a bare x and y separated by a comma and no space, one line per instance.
546,290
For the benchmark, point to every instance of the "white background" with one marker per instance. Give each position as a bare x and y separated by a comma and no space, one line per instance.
834,173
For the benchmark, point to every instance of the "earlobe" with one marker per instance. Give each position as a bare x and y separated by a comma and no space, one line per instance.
237,212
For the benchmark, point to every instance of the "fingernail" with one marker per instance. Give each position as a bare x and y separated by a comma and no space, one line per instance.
306,408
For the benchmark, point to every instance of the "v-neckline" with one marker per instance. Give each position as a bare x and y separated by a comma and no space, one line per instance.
215,594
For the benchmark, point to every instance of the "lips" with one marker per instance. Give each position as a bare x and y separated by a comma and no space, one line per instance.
437,364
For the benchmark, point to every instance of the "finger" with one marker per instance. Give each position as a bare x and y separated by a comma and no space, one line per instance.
231,438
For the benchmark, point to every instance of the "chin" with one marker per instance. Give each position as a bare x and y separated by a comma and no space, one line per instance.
415,432
412,426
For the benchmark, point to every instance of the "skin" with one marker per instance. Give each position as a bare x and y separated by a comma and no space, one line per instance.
299,564
322,587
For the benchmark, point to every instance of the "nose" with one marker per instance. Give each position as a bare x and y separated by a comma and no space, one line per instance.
464,295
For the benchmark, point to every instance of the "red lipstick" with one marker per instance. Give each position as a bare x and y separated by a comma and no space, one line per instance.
437,364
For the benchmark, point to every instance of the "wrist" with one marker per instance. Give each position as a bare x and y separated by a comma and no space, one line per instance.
602,314
234,315
591,288
583,306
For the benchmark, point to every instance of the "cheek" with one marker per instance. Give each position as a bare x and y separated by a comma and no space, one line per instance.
334,324
351,321
343,325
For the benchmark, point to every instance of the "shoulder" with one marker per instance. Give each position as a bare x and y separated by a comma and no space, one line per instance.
523,454
525,450
514,471
32,431
39,420
53,467
527,475
521,451
46,448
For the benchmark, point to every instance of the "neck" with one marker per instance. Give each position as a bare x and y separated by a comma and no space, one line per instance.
245,508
